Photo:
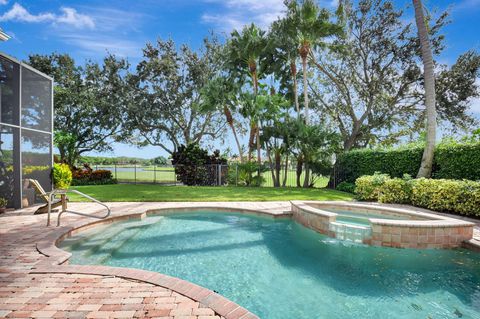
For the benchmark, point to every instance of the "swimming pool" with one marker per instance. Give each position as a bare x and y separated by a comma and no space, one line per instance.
280,269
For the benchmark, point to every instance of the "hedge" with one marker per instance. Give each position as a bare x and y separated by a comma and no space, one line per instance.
452,161
444,195
89,177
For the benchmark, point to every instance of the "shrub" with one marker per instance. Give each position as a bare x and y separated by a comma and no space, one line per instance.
101,174
89,177
368,187
443,195
456,196
193,165
246,174
62,176
451,161
457,161
3,202
396,191
346,187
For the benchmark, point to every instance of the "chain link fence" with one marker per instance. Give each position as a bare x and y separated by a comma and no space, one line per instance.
209,175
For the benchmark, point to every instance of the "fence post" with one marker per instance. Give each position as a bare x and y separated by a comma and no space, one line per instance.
154,174
219,173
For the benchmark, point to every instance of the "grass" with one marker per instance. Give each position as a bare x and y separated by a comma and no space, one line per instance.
158,193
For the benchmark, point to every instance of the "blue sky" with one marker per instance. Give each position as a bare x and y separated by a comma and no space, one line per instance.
87,29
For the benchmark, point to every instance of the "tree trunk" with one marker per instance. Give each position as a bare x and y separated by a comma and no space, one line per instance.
284,183
278,167
306,181
257,127
299,169
305,88
272,170
229,117
251,140
428,71
293,70
259,149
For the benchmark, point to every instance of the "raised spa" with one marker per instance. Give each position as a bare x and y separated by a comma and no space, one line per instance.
277,268
382,225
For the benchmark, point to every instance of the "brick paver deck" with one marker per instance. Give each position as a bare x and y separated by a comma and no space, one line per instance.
33,286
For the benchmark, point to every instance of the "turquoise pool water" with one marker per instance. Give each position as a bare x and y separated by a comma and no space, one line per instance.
359,218
279,269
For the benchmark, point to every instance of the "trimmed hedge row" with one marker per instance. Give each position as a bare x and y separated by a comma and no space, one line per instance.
444,195
452,161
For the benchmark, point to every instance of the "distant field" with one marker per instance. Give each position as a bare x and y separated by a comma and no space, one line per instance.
162,174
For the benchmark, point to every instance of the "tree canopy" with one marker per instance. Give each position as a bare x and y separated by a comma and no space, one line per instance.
362,85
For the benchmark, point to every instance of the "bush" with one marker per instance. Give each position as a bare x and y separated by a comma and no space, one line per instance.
451,161
90,177
193,165
62,176
3,202
82,182
368,187
396,191
346,187
246,174
457,161
443,195
455,196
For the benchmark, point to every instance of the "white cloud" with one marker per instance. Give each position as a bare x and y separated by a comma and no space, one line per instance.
3,2
69,16
234,14
99,45
19,13
113,33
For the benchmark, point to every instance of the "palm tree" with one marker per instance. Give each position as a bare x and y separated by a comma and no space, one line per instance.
283,54
245,53
431,112
219,94
311,25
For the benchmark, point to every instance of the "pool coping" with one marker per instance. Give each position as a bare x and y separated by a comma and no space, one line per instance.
439,220
57,261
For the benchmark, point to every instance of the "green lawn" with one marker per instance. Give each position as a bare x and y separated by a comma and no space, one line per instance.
158,193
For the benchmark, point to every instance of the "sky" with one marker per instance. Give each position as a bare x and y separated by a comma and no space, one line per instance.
88,29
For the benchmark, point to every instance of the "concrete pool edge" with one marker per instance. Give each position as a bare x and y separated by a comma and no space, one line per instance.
57,261
427,231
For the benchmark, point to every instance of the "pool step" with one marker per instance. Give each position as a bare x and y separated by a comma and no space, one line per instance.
349,232
114,240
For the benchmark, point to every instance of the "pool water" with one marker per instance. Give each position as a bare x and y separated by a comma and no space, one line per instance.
279,269
359,218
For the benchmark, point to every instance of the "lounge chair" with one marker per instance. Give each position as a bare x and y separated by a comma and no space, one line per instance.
45,196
